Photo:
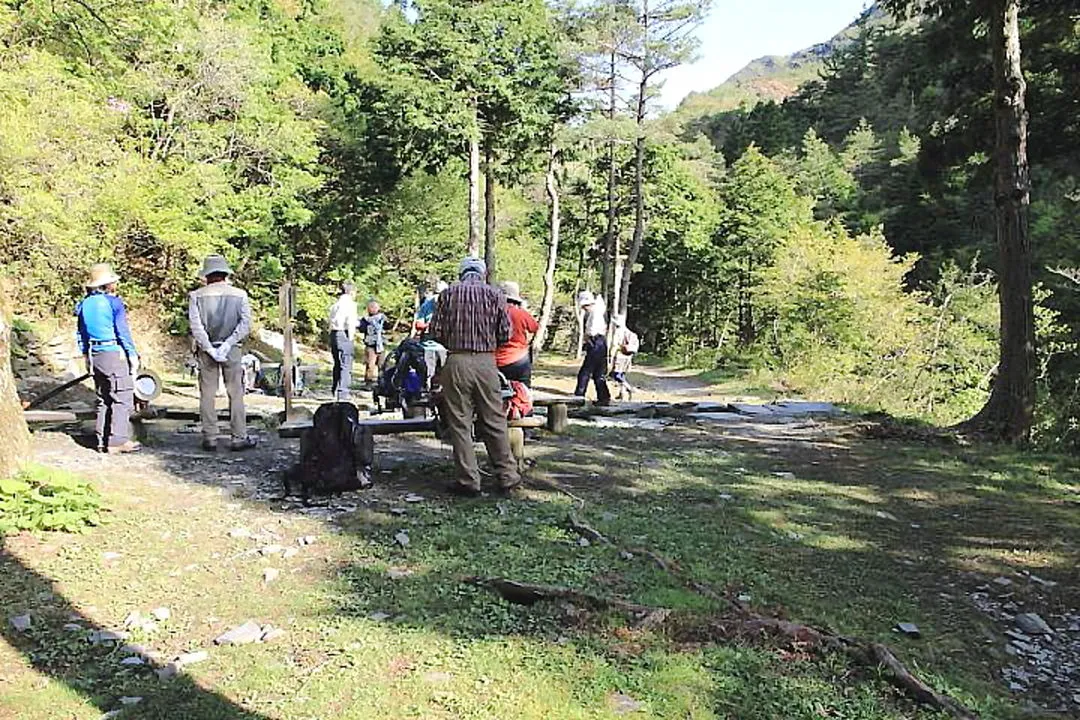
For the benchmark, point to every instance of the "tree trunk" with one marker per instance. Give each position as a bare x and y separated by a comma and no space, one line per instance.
639,200
14,436
610,274
474,194
489,212
555,222
1009,411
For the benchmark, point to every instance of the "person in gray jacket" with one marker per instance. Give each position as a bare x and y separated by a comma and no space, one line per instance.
220,317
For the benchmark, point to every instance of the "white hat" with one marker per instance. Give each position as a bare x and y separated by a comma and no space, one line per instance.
512,290
585,298
100,275
440,286
215,264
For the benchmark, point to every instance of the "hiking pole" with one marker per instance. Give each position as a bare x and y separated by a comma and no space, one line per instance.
54,392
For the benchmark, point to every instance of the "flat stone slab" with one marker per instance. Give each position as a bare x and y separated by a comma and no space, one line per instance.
742,419
245,634
801,407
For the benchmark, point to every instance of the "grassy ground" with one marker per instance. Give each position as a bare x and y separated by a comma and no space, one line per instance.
813,523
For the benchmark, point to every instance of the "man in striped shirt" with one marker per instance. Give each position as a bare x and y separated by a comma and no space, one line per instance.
471,322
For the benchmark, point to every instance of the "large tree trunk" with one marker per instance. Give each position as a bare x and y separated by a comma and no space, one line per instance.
609,274
555,223
14,437
639,200
474,193
489,212
1009,411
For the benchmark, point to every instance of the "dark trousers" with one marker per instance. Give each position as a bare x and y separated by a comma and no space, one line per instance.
520,371
342,349
115,397
594,367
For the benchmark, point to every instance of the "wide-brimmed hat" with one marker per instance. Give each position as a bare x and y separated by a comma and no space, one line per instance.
215,264
512,291
585,298
100,275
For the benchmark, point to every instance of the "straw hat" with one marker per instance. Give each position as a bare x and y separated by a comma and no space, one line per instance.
513,291
215,264
101,275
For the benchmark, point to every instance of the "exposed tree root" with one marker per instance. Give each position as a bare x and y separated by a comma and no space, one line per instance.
584,529
742,623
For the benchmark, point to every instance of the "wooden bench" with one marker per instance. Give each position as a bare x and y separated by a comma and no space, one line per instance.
558,409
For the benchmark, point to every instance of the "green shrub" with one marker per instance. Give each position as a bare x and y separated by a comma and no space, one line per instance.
45,499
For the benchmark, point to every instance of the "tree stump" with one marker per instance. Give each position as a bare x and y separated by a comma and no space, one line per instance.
558,418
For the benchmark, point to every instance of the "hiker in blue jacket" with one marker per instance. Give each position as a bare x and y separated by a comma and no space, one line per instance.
105,342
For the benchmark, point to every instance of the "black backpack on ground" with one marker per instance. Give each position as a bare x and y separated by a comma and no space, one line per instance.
333,456
393,390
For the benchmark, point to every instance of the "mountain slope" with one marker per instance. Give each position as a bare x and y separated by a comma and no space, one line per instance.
775,77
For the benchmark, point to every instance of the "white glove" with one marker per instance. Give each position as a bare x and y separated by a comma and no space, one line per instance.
221,352
133,364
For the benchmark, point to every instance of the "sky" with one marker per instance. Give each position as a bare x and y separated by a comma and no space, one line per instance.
738,31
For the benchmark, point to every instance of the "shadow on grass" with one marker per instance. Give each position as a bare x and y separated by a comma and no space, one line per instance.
94,671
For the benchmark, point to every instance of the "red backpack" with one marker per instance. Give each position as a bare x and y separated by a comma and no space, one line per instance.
520,404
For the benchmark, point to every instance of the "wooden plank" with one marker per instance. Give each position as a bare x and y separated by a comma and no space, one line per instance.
533,421
49,416
544,400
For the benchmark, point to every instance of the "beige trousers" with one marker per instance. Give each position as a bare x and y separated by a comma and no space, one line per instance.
470,383
232,371
371,364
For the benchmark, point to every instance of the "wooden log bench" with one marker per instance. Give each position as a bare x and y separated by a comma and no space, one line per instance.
558,409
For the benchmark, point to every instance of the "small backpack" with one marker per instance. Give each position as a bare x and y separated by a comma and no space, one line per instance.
520,403
631,343
331,454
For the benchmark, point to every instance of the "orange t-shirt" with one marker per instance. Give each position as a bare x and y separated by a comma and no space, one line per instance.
517,347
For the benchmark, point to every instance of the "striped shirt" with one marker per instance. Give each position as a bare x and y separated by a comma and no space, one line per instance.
471,317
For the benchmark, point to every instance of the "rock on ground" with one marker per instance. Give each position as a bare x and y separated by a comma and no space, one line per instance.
244,634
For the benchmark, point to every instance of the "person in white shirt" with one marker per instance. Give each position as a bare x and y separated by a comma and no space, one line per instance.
344,318
596,355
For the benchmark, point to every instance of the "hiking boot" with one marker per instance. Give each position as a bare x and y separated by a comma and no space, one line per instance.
248,443
209,445
510,489
129,447
463,490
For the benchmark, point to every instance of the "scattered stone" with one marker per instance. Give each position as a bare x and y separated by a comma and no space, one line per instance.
442,677
290,553
1003,581
134,650
1032,624
379,616
886,516
908,629
622,704
161,614
240,533
168,672
110,556
402,538
745,597
270,634
399,511
584,542
414,498
21,623
1017,635
111,714
306,540
244,634
134,619
74,627
1039,581
133,660
128,701
99,637
625,555
726,497
399,573
270,550
785,475
192,658
270,575
916,526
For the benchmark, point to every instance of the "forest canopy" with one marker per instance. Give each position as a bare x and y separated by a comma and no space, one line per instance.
839,243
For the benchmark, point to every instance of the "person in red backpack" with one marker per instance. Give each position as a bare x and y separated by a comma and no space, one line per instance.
513,357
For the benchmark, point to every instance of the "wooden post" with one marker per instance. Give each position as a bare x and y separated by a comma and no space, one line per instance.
286,300
558,418
517,446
